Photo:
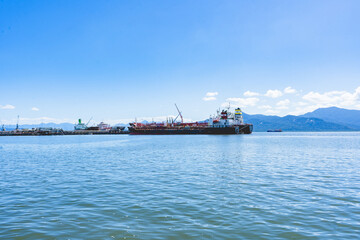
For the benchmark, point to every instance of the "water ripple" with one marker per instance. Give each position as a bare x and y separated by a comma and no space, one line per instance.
261,186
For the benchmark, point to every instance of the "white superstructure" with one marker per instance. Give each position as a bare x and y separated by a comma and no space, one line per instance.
226,118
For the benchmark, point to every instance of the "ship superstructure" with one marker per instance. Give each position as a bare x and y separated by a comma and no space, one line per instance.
104,126
227,118
80,125
224,122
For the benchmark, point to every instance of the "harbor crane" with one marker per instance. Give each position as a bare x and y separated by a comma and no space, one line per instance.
88,121
182,120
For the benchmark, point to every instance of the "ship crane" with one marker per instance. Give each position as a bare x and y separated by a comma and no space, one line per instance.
88,122
182,120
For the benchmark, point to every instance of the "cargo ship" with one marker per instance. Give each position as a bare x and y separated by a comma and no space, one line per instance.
80,126
224,122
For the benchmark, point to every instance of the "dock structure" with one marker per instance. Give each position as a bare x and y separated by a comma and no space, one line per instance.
51,132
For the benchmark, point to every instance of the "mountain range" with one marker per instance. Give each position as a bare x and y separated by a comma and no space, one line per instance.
350,118
322,119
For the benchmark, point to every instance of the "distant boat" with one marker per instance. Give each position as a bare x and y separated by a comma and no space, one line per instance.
274,130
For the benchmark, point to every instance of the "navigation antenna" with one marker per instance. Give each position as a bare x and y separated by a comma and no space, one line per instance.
182,120
3,126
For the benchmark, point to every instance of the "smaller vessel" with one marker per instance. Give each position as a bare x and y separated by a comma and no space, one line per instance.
80,125
118,128
104,126
274,130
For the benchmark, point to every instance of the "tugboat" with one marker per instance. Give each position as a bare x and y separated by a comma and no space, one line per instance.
274,130
223,122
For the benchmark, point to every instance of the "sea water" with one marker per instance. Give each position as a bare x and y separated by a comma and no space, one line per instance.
258,186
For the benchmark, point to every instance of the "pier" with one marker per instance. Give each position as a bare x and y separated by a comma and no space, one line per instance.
38,132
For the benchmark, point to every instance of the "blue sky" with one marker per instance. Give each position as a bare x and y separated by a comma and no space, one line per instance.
117,60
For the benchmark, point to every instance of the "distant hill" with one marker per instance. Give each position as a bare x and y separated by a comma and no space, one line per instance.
322,119
65,126
350,118
294,123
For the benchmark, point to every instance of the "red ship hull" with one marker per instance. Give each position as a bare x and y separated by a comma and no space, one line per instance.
236,129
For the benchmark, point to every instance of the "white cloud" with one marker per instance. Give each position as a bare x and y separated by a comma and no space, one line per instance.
302,103
357,91
242,102
273,93
304,109
251,94
7,106
271,112
35,109
265,107
140,119
210,96
284,104
289,90
38,120
317,100
334,98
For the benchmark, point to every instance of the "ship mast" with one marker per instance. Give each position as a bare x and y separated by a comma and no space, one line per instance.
17,123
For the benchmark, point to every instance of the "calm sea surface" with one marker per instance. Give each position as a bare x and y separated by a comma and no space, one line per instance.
259,186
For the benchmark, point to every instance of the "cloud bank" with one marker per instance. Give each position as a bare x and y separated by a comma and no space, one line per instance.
273,93
291,101
210,96
8,106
